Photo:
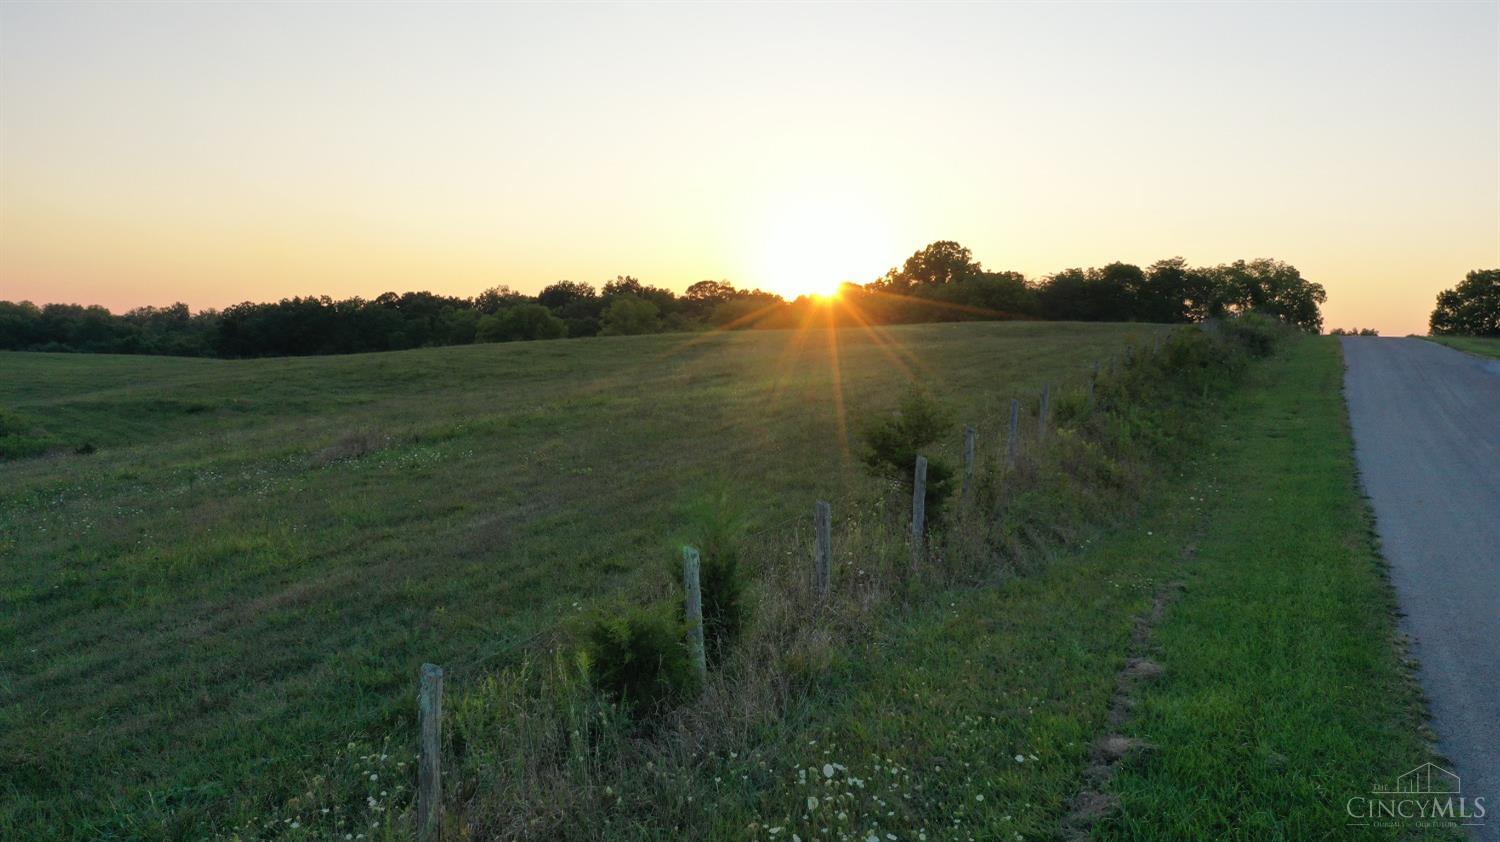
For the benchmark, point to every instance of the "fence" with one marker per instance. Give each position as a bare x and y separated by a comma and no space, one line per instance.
429,770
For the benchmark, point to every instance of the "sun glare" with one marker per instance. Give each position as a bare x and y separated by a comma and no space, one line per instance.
813,247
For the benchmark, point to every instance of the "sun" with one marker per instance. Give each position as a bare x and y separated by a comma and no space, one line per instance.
813,246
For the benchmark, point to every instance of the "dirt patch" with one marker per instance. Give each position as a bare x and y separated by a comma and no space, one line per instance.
353,445
1094,803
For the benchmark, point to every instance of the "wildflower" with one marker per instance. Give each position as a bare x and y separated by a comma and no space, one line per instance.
812,802
1020,759
979,798
827,770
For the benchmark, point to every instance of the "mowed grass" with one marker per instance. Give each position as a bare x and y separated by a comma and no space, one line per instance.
1485,346
1282,693
249,568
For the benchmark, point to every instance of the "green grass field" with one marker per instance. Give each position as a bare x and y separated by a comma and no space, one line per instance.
247,570
1482,345
979,712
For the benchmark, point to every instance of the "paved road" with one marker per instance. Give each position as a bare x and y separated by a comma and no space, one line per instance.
1427,436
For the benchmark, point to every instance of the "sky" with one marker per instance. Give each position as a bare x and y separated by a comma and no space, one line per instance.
217,153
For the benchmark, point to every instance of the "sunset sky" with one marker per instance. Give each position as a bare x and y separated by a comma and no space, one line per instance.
215,153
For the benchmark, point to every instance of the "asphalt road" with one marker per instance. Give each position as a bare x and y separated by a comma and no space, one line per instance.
1426,425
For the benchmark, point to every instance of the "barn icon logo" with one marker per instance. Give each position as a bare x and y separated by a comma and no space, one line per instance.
1427,779
1427,796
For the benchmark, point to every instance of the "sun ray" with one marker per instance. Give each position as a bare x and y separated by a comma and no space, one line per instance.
888,346
836,371
966,309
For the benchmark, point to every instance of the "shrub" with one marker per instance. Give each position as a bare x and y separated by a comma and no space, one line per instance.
1256,333
893,444
639,656
717,524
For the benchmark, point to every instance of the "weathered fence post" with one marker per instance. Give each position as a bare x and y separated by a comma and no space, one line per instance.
1012,432
693,605
823,554
1041,415
969,435
918,508
429,758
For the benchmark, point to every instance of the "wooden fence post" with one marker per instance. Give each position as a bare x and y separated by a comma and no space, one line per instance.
1093,378
823,553
969,435
1041,415
429,758
918,508
1012,432
693,605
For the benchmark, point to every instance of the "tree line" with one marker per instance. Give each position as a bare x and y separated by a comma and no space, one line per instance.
941,282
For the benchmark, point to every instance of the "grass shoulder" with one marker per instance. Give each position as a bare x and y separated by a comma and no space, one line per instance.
1484,346
1284,693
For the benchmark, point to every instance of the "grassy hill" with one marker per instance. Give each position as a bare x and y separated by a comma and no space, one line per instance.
248,567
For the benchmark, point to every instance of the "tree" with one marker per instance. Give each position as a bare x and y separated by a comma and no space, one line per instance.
1062,295
893,443
497,298
1271,287
982,295
628,315
703,297
1472,308
1114,292
564,295
942,262
624,285
520,323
